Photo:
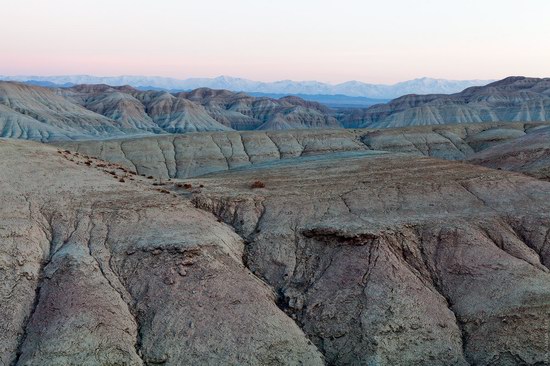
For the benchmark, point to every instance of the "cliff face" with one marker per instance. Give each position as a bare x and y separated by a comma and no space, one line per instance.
511,100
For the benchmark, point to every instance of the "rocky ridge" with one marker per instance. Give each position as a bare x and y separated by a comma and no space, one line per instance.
376,257
512,99
102,111
182,156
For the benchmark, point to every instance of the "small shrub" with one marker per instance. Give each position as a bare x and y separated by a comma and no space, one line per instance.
257,184
121,180
150,177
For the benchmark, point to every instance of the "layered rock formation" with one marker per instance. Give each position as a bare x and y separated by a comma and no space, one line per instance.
101,111
513,99
529,154
182,156
341,253
36,113
243,112
99,268
398,260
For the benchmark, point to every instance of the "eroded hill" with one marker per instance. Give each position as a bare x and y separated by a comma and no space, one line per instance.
99,268
397,260
512,99
189,155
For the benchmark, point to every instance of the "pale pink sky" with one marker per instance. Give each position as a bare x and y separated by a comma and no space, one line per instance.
333,41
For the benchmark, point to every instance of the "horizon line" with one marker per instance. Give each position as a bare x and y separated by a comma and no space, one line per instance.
252,80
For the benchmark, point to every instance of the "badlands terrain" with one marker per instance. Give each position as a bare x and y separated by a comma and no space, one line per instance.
102,111
126,242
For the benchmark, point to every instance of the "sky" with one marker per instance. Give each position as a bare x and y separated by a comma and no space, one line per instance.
384,41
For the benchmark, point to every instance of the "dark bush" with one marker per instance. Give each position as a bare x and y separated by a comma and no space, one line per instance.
258,184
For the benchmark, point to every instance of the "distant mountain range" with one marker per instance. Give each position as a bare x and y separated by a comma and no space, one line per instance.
286,87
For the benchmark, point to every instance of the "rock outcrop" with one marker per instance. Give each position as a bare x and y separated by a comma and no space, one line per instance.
99,267
395,259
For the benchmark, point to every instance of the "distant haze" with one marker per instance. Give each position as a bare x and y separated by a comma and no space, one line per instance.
285,87
329,41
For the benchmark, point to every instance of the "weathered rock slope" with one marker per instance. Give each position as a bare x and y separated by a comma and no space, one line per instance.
395,259
375,257
36,113
512,99
528,154
101,111
182,156
100,268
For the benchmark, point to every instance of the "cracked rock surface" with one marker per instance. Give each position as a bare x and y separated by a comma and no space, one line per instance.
99,271
395,259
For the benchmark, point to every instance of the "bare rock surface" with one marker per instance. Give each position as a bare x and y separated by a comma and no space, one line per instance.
528,154
395,259
182,156
102,111
35,113
513,99
99,267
